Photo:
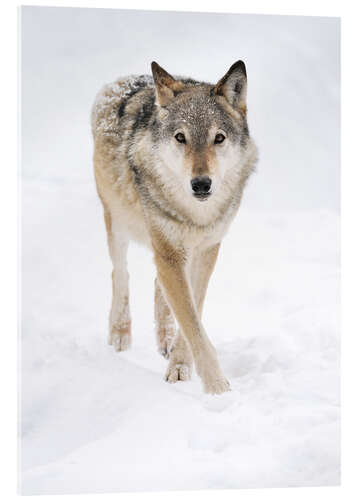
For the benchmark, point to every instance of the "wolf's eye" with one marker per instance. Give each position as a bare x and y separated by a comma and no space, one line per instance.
180,138
219,139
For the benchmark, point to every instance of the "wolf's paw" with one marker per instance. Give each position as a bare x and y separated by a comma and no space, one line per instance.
120,339
178,371
216,386
208,369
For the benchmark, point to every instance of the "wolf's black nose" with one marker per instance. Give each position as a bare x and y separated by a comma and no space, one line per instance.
201,185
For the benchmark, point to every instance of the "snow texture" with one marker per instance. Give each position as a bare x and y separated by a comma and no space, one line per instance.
94,420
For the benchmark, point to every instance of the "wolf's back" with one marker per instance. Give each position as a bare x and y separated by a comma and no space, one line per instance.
105,110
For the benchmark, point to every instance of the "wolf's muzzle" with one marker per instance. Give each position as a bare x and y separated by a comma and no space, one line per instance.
201,187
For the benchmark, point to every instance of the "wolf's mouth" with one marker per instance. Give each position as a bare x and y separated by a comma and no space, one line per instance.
201,196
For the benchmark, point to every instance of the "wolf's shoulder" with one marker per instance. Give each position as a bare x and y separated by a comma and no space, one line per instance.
108,100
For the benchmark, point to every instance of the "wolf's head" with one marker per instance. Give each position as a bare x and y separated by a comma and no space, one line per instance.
201,134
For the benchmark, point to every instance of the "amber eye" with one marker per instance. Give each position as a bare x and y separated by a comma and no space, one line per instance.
180,138
219,139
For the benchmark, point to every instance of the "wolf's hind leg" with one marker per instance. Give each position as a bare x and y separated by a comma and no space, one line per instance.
181,361
164,323
171,344
119,320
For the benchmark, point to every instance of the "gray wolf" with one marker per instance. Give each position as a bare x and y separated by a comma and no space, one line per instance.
171,158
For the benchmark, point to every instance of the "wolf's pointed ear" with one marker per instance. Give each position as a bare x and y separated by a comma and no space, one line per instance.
166,85
233,86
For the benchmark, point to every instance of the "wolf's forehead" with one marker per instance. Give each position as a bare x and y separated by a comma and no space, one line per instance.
198,109
199,114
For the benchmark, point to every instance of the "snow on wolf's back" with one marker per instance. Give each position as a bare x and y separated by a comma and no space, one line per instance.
107,102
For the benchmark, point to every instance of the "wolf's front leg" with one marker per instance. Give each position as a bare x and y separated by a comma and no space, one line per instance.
173,278
119,320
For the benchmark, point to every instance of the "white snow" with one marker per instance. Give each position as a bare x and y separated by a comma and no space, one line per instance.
94,420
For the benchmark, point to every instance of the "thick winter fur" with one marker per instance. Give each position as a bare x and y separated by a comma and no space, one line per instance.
152,137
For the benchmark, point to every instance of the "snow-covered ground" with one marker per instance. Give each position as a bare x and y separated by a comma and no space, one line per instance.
99,421
93,420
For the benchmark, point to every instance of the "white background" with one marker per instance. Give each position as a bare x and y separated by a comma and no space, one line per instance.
96,421
347,191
